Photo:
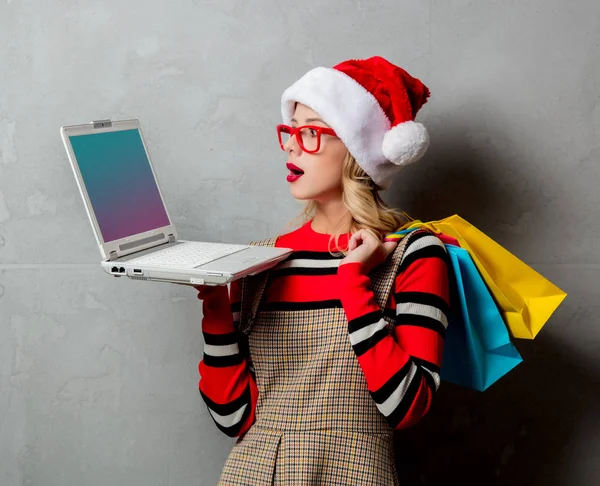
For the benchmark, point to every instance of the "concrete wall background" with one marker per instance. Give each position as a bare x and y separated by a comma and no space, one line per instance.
98,378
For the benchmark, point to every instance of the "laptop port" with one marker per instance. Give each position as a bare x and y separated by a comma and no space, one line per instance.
121,270
114,270
137,270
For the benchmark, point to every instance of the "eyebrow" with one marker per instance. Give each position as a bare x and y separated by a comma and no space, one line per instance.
309,120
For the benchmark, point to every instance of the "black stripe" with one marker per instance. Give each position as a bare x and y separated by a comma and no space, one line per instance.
389,312
424,298
284,272
234,430
421,321
423,363
220,339
300,306
313,255
431,251
364,321
236,306
362,347
384,392
223,361
229,407
404,406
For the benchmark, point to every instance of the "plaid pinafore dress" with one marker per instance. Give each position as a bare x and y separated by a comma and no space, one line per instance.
315,421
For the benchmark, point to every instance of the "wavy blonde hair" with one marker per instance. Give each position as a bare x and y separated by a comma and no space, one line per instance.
366,208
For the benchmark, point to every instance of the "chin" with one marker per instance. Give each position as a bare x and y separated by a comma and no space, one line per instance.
308,191
300,195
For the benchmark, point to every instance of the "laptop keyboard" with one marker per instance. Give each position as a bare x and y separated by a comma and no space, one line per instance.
187,255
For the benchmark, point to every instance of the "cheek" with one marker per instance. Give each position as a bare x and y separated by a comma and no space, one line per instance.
324,175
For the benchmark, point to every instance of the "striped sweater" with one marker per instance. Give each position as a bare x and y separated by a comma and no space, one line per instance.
402,369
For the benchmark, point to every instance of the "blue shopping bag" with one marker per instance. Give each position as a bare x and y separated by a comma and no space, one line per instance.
477,349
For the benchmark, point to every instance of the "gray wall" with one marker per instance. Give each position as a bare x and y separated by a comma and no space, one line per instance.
98,376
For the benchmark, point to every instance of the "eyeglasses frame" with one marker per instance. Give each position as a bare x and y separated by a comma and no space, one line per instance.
295,131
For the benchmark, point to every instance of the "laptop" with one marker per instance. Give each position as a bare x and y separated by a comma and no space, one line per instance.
133,229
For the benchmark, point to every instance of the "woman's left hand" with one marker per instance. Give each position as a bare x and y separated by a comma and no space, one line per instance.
367,249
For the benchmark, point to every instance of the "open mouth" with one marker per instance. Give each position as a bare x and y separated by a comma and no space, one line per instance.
295,172
294,169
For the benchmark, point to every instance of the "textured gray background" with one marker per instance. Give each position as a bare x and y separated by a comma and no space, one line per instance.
98,376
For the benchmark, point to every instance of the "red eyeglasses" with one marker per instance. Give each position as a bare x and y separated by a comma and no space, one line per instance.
307,136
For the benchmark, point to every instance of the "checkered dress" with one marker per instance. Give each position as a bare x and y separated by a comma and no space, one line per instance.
316,423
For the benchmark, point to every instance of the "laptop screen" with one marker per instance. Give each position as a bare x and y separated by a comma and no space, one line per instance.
120,183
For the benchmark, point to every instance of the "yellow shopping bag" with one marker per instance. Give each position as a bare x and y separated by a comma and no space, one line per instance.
525,298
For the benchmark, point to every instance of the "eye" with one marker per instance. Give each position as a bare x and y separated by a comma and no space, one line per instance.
313,132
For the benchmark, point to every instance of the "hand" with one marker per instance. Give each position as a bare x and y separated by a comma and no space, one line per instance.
366,248
206,291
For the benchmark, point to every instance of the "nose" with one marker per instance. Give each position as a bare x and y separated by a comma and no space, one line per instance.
292,145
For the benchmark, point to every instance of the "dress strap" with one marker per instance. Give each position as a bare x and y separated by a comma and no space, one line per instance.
253,288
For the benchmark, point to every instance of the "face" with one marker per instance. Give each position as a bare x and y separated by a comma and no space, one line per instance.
321,172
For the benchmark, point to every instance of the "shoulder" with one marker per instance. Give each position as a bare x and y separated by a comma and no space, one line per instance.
422,246
423,238
280,240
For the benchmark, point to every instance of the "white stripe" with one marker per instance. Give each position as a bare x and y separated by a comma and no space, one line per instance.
360,124
223,350
387,407
434,375
367,332
423,242
236,316
228,420
422,310
310,263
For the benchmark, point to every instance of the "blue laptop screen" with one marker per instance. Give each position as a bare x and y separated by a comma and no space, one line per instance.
120,184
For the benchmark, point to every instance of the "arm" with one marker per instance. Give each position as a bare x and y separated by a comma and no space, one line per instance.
226,384
401,369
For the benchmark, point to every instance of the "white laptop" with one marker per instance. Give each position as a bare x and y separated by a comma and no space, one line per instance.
135,234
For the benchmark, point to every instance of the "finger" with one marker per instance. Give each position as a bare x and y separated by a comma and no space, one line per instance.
353,243
359,237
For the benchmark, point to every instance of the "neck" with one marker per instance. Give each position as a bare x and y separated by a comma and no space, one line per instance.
331,217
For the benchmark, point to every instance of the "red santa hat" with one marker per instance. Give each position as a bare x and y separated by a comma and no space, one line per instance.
371,104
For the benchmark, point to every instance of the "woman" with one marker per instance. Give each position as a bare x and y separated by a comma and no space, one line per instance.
313,364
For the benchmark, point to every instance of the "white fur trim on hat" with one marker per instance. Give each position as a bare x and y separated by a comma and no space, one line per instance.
405,143
349,109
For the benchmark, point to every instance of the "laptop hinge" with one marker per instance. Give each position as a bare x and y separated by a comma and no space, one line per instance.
171,238
112,256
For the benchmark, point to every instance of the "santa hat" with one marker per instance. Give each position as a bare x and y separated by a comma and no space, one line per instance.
371,104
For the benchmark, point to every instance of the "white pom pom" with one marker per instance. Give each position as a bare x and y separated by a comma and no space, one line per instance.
405,143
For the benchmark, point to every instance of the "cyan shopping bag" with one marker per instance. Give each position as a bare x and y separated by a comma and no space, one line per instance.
477,349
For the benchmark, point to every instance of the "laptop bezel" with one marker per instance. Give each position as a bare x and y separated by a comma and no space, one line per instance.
112,250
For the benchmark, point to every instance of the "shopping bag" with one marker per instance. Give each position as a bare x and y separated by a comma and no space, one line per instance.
526,299
477,348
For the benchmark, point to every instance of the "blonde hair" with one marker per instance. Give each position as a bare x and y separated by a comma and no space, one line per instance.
366,208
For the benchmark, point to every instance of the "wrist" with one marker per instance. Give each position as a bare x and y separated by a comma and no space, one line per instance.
353,269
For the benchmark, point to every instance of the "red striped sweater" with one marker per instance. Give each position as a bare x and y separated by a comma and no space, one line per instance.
401,368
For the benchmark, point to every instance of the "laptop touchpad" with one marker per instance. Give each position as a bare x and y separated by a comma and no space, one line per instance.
241,259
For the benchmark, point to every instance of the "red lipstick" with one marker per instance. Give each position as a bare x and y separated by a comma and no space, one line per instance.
295,172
